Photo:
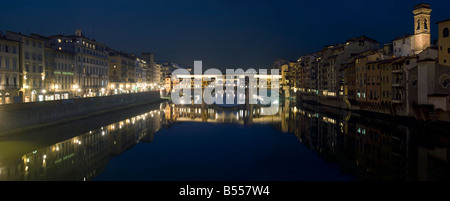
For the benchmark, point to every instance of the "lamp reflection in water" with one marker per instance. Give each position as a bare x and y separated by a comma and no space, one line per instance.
393,154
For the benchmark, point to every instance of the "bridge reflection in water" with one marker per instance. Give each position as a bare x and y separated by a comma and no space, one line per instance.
369,149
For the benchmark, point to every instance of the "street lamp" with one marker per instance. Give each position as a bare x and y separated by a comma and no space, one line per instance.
75,88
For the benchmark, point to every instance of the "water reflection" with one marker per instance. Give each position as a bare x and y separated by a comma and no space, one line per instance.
374,149
367,148
84,156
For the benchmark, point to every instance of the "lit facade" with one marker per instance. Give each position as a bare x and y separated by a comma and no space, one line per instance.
31,66
122,72
444,42
64,75
91,62
154,75
9,71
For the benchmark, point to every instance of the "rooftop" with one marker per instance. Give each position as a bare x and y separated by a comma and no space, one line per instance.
389,60
363,38
427,59
443,21
403,36
422,5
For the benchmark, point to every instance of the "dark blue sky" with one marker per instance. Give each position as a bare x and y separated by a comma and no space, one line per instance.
222,33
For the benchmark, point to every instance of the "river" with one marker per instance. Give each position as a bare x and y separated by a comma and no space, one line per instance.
167,142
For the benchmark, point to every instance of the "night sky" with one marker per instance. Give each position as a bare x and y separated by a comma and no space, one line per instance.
224,34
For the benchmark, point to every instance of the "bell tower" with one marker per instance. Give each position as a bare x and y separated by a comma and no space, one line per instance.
421,27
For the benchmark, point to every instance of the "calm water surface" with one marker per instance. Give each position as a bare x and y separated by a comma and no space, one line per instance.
167,142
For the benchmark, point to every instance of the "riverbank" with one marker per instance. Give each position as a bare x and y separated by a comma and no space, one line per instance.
420,113
31,116
433,125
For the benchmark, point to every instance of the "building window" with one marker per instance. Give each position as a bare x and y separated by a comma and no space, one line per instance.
448,50
418,24
7,63
425,26
14,63
445,33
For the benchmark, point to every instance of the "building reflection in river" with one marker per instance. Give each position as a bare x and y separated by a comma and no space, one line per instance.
84,156
373,149
369,149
